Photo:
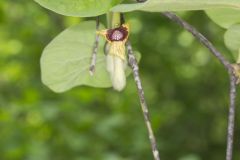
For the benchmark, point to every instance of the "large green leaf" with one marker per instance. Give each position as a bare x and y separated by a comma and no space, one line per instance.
232,39
177,5
79,8
65,61
224,17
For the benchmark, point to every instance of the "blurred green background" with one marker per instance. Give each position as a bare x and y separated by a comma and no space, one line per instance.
186,90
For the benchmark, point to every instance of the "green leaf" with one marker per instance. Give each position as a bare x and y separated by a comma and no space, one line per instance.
224,17
177,5
232,39
65,61
79,8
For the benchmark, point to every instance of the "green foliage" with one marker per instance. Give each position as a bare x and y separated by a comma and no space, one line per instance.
228,19
224,17
79,8
65,61
232,39
177,5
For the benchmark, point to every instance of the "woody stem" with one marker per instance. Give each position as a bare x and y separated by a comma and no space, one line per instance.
95,50
134,65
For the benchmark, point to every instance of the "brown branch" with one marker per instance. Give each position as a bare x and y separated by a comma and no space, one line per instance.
231,117
134,65
229,67
95,49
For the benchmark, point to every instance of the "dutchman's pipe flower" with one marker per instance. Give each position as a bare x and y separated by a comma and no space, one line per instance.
116,56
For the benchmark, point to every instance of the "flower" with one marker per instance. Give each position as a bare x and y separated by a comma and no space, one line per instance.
116,56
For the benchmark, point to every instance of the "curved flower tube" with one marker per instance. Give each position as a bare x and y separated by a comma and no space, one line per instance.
116,56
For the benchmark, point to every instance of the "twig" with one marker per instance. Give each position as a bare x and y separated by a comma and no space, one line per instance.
95,49
231,117
229,68
133,63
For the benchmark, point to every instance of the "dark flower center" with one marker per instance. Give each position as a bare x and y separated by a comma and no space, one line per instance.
117,34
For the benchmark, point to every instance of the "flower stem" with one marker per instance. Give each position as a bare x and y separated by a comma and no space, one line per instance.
113,19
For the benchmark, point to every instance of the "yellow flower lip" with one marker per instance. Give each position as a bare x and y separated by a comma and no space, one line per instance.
116,34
